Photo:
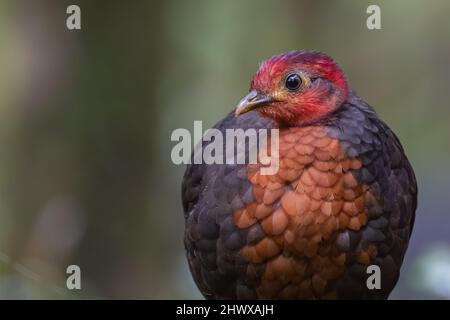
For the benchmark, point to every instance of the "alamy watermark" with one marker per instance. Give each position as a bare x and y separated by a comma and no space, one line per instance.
373,21
73,21
73,281
235,146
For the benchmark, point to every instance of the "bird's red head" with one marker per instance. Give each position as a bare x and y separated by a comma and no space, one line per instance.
296,88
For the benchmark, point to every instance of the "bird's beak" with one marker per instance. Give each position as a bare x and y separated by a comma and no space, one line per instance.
252,101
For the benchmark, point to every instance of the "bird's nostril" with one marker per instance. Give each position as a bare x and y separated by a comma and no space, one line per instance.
252,96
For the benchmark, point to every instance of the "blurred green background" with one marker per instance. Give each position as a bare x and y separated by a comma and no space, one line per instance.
86,118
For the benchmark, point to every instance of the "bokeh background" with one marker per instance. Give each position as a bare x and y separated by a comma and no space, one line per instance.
86,118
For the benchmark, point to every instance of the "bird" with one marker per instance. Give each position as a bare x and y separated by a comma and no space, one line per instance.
344,197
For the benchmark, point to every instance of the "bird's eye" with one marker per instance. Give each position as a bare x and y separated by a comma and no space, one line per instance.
293,81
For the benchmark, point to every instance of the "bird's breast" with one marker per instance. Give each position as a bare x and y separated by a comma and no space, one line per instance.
297,214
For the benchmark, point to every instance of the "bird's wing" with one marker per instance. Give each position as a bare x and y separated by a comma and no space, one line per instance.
391,199
210,194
